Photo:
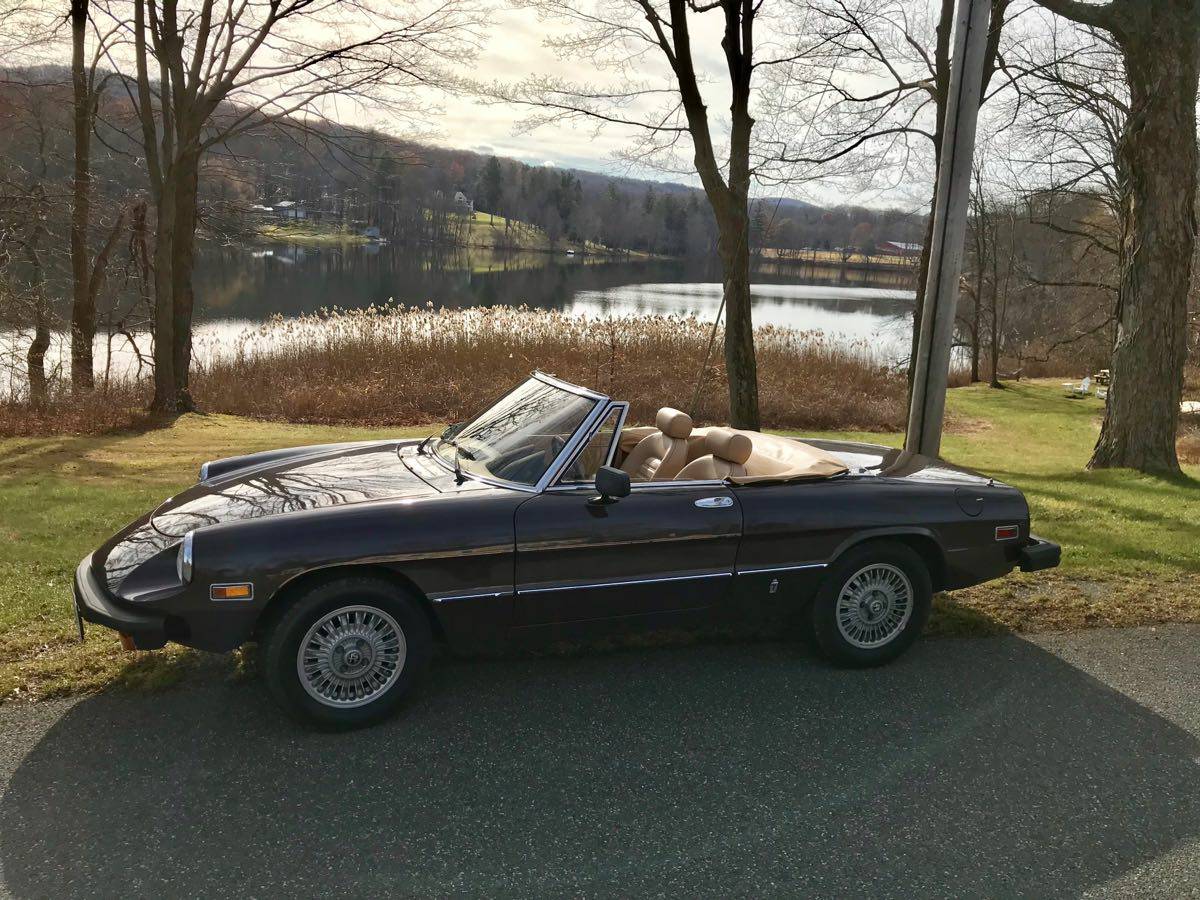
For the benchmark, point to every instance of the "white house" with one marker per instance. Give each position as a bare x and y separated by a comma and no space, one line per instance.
898,248
290,209
463,202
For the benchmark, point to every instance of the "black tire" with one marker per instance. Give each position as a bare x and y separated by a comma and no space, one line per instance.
888,557
280,647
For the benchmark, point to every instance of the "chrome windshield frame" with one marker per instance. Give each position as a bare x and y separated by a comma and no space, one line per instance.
600,407
557,382
563,462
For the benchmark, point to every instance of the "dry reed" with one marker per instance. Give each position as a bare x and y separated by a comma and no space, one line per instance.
398,365
395,365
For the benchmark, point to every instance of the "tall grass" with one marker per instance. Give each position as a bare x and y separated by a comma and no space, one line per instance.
395,365
406,365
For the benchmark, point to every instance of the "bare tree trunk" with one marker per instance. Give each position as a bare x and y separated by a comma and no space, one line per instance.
183,260
994,343
740,364
83,305
35,356
1159,152
975,346
164,304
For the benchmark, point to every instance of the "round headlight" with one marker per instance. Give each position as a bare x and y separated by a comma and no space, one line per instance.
183,562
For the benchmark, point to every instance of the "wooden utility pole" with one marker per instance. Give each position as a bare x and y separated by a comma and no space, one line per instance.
932,364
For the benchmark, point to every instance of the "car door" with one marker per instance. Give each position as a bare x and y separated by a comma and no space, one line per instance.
663,548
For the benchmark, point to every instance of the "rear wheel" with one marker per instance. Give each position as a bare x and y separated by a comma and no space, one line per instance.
873,604
345,652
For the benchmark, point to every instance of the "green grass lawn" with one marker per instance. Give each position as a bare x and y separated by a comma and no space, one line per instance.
1130,541
308,233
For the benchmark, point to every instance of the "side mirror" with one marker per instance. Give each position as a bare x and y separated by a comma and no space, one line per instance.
612,483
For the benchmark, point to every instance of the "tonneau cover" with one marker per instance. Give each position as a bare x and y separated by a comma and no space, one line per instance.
777,458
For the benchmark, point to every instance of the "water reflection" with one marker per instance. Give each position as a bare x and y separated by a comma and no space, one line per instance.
239,286
290,280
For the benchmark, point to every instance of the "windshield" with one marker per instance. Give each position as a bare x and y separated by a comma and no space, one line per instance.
519,437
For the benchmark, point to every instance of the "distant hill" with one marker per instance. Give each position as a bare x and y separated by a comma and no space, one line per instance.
357,179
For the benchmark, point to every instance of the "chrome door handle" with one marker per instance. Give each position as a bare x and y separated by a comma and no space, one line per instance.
715,502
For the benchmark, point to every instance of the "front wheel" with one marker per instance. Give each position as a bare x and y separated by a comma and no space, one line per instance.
345,652
873,604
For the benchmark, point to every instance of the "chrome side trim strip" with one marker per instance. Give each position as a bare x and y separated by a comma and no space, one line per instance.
675,485
608,584
639,486
756,570
489,595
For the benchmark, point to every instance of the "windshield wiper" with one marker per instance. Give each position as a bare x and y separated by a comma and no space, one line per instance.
459,451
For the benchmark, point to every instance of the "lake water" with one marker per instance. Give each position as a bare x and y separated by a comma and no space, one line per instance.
239,286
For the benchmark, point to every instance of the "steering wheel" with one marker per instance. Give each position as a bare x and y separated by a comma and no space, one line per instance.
553,447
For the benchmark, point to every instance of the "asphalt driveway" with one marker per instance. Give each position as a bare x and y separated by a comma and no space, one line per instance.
1061,767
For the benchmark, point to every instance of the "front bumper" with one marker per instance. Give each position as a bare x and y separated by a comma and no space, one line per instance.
1039,554
95,604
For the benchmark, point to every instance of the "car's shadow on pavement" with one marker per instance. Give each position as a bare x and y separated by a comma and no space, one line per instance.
970,767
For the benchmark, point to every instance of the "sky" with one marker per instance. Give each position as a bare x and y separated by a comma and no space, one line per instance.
513,47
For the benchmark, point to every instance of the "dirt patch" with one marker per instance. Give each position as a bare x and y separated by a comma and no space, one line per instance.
1065,602
967,425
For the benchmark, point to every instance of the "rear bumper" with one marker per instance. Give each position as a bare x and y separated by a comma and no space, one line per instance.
93,603
1039,554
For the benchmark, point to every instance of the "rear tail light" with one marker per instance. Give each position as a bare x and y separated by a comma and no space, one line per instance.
1007,532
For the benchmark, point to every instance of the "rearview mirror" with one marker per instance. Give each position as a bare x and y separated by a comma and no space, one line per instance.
612,484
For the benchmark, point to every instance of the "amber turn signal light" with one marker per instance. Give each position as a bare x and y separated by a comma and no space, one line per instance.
231,592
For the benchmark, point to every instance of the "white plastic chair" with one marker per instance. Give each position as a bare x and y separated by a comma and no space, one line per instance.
1079,390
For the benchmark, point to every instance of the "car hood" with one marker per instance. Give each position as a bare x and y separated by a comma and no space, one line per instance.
312,478
313,481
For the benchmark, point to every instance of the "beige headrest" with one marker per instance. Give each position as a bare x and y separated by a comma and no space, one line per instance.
673,423
729,445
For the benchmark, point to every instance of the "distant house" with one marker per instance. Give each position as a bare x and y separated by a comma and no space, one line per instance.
289,209
464,203
898,248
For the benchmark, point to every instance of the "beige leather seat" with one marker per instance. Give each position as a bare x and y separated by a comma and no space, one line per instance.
660,456
728,451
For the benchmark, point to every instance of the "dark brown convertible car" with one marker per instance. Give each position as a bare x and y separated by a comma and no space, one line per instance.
544,518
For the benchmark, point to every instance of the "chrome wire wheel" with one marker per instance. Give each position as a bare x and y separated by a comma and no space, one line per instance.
874,605
351,656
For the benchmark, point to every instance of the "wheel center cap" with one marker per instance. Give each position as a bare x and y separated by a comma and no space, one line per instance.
351,657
